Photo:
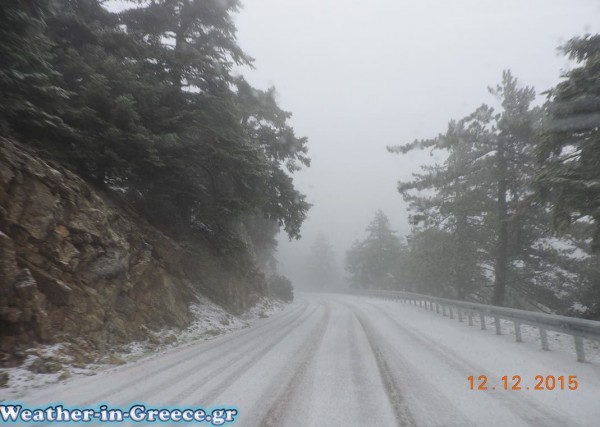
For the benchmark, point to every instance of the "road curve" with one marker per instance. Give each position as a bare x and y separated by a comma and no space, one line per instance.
334,360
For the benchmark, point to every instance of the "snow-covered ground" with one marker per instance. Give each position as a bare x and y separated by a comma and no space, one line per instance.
210,321
344,360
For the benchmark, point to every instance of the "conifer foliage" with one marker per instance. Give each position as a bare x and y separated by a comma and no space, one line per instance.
373,263
510,217
144,102
569,148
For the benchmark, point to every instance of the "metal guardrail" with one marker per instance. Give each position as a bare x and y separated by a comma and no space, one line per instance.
578,328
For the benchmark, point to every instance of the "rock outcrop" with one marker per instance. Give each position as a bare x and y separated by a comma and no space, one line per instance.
75,264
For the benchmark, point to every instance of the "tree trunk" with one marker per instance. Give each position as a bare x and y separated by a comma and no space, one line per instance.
501,265
463,261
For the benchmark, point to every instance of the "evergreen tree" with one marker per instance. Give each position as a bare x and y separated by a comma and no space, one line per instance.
568,179
266,126
457,200
144,103
210,174
481,198
429,265
321,269
108,145
30,97
569,142
374,262
225,142
512,144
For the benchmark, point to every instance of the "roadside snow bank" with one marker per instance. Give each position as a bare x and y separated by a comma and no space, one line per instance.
45,365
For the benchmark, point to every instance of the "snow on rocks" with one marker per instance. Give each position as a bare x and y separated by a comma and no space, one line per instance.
44,365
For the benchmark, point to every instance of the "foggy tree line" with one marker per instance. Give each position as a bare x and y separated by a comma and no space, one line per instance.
144,103
374,262
321,265
512,215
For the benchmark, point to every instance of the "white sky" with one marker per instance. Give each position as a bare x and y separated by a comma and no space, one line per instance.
360,75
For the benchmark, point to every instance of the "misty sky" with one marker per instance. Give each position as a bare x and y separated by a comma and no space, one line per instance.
361,75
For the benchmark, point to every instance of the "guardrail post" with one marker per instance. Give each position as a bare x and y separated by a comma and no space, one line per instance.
544,339
497,323
518,336
451,312
460,316
470,314
482,317
444,310
437,308
579,349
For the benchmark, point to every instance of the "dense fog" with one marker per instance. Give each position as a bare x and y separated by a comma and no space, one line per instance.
360,76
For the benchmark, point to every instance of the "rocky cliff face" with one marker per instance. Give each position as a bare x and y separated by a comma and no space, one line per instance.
74,264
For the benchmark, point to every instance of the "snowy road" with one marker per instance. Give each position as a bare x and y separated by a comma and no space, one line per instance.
350,361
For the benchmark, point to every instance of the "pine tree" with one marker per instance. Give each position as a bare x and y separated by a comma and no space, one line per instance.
456,202
374,262
108,145
512,155
144,102
30,97
569,142
480,197
225,143
321,265
430,263
209,173
266,126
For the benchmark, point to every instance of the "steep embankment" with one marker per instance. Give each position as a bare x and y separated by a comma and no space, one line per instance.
74,265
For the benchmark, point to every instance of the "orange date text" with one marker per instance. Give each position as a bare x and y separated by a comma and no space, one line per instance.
516,382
